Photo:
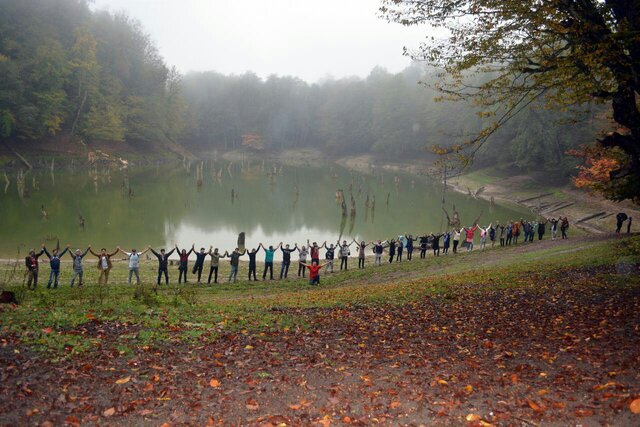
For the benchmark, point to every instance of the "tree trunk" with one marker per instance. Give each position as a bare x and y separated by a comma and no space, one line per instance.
75,122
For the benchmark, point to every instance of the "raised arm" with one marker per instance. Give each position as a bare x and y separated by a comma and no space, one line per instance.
154,252
170,252
145,251
85,252
192,250
95,254
44,248
41,252
63,252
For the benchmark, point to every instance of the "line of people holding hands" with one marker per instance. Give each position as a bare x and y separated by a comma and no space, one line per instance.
395,248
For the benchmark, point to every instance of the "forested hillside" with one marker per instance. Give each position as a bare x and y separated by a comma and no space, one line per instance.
67,70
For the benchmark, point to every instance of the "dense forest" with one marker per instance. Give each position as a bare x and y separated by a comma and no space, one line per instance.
67,70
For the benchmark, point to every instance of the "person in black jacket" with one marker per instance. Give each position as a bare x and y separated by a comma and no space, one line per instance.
252,262
199,264
392,250
409,246
163,263
435,243
31,262
621,217
423,246
286,259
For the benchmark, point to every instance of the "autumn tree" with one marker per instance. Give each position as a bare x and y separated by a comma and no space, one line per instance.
566,52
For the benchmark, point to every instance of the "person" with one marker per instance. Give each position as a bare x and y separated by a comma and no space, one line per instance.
392,250
134,263
163,263
469,236
78,270
199,264
409,245
286,259
502,233
378,249
302,258
234,261
104,264
423,246
629,225
509,233
268,259
329,256
483,236
183,267
344,253
492,235
525,230
554,228
515,230
362,246
215,261
252,262
542,228
445,242
435,243
564,226
621,217
314,272
456,239
31,262
54,263
399,248
315,251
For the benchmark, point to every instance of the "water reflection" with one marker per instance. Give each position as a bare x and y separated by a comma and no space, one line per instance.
270,203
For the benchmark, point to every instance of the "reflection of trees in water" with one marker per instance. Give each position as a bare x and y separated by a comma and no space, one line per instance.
167,199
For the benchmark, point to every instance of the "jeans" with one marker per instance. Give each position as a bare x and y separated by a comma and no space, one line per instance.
198,269
162,270
234,273
409,253
315,280
214,268
377,259
182,273
469,246
302,270
455,246
132,271
360,262
268,266
53,278
252,271
343,262
328,266
78,274
284,269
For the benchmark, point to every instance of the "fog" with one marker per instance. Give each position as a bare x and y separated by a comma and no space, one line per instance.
307,39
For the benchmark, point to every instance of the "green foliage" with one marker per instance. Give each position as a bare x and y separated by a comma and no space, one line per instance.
97,75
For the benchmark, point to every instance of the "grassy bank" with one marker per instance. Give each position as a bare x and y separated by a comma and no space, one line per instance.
164,313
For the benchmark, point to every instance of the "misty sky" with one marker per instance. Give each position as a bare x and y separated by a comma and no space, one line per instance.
303,38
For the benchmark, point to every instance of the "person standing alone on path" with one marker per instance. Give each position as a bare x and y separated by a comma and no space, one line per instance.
621,217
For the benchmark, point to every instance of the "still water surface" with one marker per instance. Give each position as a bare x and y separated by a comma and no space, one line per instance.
161,205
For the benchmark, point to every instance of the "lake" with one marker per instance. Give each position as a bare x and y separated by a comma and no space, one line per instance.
209,204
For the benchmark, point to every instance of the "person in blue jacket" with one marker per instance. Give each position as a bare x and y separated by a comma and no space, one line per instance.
54,263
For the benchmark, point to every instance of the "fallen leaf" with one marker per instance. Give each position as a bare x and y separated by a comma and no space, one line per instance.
635,406
214,383
109,412
123,380
251,405
395,404
473,417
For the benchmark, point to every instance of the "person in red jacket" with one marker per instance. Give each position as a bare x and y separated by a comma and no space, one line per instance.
314,272
469,237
